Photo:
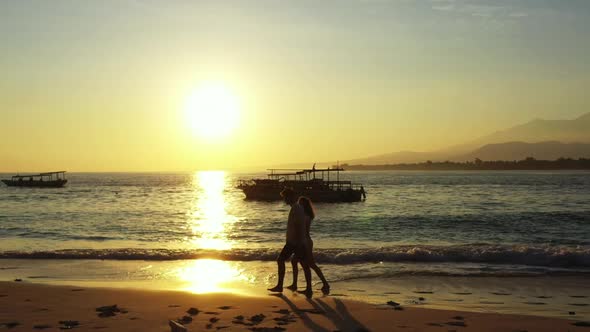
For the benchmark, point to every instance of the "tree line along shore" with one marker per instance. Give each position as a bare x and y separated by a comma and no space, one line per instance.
529,163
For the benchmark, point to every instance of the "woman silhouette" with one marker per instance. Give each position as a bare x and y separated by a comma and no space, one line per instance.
309,259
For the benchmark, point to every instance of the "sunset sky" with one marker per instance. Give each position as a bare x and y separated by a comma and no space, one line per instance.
128,85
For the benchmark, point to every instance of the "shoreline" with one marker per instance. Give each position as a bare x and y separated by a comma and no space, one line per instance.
564,297
28,305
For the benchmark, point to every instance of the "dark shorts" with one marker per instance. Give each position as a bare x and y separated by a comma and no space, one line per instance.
290,249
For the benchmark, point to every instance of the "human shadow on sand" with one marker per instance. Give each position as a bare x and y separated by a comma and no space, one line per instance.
339,315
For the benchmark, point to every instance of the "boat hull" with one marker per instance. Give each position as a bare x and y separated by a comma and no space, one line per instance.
36,184
329,196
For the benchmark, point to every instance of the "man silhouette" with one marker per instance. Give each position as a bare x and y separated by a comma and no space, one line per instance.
295,240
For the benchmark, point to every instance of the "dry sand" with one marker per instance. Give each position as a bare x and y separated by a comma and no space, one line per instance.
33,307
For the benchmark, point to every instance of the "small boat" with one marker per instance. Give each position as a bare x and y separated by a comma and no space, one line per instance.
41,180
313,183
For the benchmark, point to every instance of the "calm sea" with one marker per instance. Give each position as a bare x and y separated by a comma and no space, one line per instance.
413,224
530,219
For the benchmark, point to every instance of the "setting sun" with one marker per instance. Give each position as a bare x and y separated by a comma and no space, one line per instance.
212,110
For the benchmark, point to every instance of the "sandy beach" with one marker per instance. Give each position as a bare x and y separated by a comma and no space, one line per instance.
27,307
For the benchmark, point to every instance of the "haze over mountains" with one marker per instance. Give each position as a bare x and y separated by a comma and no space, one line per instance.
541,139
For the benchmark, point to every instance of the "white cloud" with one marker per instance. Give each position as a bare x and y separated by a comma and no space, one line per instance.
477,9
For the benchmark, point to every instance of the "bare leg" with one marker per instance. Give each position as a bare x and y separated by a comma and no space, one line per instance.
294,263
279,286
318,271
312,264
307,272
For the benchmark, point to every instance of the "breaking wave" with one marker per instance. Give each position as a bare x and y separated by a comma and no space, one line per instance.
546,256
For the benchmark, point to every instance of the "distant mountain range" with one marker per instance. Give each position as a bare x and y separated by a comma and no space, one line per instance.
541,139
521,150
565,131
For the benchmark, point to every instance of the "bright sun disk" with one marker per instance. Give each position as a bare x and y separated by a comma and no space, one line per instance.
212,111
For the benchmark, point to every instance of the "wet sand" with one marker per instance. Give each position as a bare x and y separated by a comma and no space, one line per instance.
29,307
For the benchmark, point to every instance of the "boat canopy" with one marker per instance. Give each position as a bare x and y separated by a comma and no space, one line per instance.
41,175
303,174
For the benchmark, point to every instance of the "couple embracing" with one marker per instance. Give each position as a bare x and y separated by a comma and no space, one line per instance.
299,244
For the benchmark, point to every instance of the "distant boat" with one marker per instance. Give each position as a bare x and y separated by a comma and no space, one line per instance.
313,183
41,180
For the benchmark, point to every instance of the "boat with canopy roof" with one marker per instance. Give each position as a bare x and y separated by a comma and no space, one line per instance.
41,180
320,185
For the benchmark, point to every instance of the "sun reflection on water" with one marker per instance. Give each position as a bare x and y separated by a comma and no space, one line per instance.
209,221
210,225
211,276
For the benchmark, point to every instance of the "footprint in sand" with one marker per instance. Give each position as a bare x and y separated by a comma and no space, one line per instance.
501,293
68,324
462,293
108,311
579,296
193,311
579,304
41,326
9,324
392,303
544,297
285,319
535,303
312,311
490,302
423,292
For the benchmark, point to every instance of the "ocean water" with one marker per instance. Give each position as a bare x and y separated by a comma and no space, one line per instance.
412,225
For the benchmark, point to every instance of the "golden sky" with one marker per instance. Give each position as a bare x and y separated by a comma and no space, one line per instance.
104,85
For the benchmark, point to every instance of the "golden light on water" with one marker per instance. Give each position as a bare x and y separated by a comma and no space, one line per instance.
212,110
209,221
210,224
210,276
